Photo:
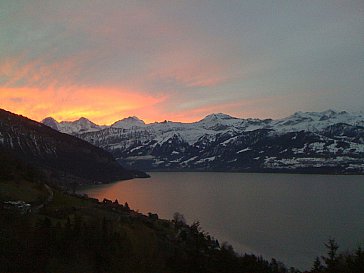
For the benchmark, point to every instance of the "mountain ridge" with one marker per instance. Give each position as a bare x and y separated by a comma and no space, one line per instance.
308,142
221,116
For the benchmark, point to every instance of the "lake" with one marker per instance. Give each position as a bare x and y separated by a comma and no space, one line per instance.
285,216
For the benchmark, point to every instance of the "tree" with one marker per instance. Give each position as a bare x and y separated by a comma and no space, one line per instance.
317,266
179,219
355,261
332,261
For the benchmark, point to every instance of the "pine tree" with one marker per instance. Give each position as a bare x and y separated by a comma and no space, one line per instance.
332,261
317,266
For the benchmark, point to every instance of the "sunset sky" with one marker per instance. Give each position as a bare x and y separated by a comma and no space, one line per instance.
180,60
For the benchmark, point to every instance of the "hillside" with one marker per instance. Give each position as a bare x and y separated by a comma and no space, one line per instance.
312,142
63,158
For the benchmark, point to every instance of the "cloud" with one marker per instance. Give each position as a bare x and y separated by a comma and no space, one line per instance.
66,66
178,58
131,44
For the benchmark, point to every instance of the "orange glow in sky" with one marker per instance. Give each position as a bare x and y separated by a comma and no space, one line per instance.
101,105
179,60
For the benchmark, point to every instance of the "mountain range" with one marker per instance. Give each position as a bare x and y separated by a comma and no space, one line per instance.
305,142
65,159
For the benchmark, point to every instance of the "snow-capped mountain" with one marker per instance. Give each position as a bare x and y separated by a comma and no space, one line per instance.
81,125
325,142
315,122
128,123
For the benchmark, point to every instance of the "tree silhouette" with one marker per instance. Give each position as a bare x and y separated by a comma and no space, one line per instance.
317,266
179,219
332,260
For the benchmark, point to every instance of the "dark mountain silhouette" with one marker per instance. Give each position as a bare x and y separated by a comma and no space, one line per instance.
64,158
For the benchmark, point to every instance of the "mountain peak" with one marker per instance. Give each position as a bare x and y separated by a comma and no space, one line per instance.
50,122
70,127
330,113
128,122
217,116
83,120
134,118
49,119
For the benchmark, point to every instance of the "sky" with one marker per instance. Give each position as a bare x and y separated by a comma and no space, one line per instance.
180,60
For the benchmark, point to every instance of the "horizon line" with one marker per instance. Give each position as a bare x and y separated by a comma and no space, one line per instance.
220,113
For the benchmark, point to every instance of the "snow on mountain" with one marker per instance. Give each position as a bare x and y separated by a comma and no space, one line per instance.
79,126
218,122
215,124
128,123
218,118
316,121
328,141
51,122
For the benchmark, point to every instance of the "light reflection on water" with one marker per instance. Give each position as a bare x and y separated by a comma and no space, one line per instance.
286,216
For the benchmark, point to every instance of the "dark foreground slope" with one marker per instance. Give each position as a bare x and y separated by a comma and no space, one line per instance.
64,158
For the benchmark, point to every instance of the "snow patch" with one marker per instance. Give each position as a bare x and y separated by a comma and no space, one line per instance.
244,150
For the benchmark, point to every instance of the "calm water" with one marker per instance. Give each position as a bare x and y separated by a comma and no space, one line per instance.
285,216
